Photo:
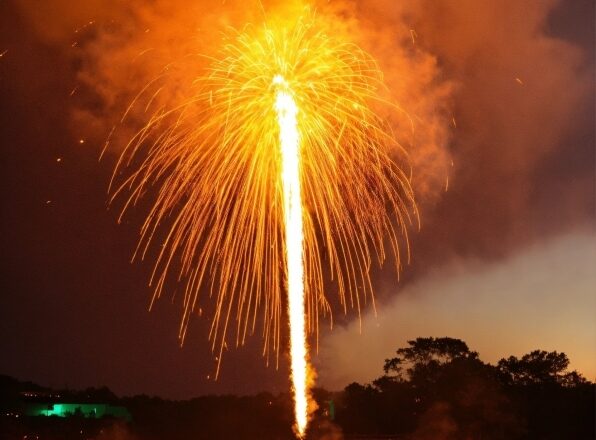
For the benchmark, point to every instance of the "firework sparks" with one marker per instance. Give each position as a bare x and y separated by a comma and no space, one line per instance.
289,140
274,175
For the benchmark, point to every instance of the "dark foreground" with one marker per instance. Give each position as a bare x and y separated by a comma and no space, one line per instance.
433,389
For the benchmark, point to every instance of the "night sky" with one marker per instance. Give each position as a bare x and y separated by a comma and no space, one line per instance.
504,260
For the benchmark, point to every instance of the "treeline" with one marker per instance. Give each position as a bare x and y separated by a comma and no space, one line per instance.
434,388
437,388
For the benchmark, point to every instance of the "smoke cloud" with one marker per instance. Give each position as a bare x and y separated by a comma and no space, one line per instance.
524,112
150,53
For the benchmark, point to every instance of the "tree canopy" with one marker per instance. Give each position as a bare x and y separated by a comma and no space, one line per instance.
539,367
437,387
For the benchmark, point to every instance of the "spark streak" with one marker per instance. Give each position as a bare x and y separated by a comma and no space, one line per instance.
289,139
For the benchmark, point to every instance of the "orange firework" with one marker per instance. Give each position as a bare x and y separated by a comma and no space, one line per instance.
276,173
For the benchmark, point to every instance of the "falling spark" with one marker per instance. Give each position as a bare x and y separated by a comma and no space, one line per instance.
84,26
275,174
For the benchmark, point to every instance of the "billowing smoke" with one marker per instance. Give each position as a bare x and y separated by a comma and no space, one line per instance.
149,54
524,111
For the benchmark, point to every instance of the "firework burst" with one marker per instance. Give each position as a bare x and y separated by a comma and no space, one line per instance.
277,160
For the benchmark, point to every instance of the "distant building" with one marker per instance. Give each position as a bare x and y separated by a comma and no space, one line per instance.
88,410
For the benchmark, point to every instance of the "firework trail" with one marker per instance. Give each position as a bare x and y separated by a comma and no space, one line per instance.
289,141
274,175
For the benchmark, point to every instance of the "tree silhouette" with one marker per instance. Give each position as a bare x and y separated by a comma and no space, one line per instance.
539,368
440,379
427,354
439,388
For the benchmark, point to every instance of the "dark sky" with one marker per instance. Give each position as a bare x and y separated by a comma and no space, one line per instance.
73,310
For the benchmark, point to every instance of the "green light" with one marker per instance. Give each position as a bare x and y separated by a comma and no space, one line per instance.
88,410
